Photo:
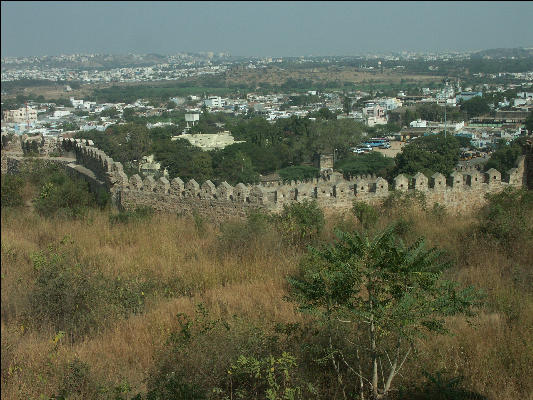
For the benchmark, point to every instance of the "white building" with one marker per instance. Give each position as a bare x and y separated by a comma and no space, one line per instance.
61,113
374,114
88,105
23,114
390,104
419,123
214,102
192,119
76,103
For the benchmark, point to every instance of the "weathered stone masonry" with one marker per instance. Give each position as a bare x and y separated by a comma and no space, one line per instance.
461,192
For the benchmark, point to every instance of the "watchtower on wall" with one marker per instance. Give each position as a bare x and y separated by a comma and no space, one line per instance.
323,162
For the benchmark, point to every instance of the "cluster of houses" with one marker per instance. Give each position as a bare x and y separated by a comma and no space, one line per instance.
505,124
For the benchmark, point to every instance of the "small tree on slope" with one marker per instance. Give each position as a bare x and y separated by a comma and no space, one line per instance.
386,293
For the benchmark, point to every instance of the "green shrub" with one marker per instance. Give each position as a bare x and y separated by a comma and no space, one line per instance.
237,236
438,211
174,386
63,198
504,158
186,367
298,173
402,226
102,198
301,223
365,213
77,380
268,377
437,387
507,216
38,172
12,191
398,201
76,299
370,163
141,213
199,222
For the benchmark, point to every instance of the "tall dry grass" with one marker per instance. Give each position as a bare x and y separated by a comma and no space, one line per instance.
186,266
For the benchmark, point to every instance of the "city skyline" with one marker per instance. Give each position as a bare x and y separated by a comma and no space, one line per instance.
265,29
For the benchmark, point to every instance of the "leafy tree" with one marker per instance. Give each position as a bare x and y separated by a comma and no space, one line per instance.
529,123
81,113
409,116
507,216
476,106
386,293
347,105
110,112
183,160
505,157
428,154
128,114
138,143
69,126
205,110
369,163
336,135
301,223
323,113
298,172
236,167
12,186
365,213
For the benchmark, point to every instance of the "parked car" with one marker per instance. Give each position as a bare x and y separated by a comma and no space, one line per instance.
362,149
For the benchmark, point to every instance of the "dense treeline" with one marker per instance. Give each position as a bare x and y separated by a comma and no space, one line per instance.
267,148
464,67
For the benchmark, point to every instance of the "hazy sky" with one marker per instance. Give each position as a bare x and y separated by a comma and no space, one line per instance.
261,28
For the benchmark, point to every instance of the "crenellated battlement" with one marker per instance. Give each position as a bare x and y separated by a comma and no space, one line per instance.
462,191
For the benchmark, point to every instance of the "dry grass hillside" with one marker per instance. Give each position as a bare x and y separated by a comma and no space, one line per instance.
278,76
108,325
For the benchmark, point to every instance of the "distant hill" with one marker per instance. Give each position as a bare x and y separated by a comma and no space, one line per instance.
518,52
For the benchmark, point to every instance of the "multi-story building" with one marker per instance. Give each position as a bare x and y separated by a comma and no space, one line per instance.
214,102
390,104
23,114
374,114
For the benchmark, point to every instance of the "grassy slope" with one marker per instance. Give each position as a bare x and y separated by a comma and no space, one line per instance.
494,353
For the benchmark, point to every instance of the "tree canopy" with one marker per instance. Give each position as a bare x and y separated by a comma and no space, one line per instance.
504,158
429,154
369,163
381,293
529,123
475,107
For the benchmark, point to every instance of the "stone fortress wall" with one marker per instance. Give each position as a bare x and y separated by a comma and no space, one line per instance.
460,192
